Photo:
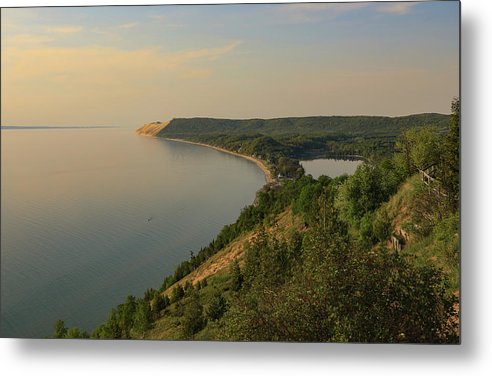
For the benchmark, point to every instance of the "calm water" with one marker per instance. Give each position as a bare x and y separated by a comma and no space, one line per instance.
75,204
329,167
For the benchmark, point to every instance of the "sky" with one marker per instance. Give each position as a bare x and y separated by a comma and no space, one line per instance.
131,65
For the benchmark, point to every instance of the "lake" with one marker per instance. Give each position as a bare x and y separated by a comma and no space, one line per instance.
330,167
90,216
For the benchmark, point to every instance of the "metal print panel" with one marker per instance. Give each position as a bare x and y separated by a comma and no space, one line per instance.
236,172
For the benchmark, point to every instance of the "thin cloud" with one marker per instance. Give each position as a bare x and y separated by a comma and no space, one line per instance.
396,8
64,29
103,79
26,40
312,12
165,21
127,25
98,65
334,7
157,16
205,53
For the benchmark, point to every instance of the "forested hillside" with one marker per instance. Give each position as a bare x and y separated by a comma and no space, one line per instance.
372,257
353,125
304,136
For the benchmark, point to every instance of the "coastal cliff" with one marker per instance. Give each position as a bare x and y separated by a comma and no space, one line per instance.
152,129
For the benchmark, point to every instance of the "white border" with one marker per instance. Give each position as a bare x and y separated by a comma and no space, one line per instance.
473,357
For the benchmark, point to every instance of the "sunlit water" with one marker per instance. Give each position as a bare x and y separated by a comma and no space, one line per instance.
330,167
90,216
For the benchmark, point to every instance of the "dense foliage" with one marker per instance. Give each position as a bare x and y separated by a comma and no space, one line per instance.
331,288
314,125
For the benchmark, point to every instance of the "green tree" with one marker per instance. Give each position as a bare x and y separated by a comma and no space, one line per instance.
76,333
143,317
60,329
450,164
204,283
126,314
381,225
193,320
188,287
217,307
160,302
361,193
237,277
177,293
420,147
112,328
366,233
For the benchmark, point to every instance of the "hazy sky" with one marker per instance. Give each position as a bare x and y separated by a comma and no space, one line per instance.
131,65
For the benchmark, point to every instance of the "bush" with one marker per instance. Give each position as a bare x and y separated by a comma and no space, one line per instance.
217,307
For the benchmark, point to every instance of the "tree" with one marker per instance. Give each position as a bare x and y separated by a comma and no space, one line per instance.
420,147
76,333
381,225
361,193
160,302
204,283
237,277
127,315
150,294
188,286
450,164
193,320
177,293
343,293
112,328
366,232
143,317
217,307
60,329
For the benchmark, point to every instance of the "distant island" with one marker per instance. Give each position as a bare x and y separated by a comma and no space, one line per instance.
34,127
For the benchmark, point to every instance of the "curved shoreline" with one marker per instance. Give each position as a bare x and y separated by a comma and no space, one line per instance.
258,162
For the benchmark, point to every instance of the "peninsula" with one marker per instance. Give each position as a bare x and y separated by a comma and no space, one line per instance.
277,145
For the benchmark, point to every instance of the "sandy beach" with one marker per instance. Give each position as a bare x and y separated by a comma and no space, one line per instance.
259,163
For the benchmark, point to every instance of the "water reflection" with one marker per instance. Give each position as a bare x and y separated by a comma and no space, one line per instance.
330,167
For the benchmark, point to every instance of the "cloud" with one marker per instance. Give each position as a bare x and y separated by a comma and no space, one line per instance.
127,25
334,7
104,67
164,20
26,40
64,29
396,8
313,12
205,53
78,83
157,16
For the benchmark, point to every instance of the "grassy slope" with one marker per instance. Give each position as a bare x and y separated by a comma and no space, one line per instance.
440,246
217,272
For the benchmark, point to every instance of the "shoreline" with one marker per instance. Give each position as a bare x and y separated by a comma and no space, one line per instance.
258,162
